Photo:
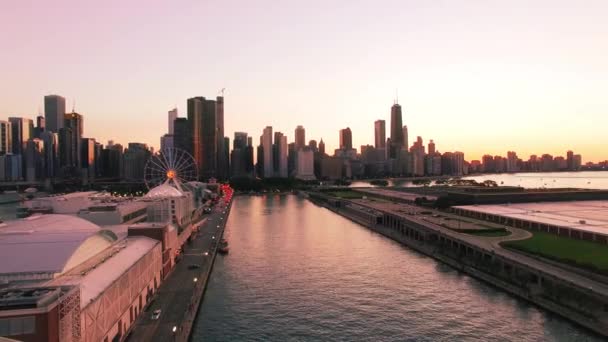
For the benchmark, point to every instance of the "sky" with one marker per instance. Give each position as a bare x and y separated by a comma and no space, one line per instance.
475,76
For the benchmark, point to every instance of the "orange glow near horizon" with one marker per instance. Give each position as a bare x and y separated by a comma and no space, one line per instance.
476,77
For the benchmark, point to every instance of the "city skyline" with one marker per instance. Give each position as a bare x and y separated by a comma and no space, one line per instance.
532,88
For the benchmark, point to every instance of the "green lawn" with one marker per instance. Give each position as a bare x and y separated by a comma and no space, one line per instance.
585,254
346,194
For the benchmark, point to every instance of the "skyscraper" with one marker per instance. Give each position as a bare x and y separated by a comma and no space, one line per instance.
210,141
417,151
74,122
346,139
396,125
87,158
182,137
135,158
39,126
172,115
300,135
397,142
313,145
380,134
240,140
51,153
6,139
54,110
570,160
431,147
221,148
282,156
206,118
321,147
405,137
266,140
195,120
241,163
22,131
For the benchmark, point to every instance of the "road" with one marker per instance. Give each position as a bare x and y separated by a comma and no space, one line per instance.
175,296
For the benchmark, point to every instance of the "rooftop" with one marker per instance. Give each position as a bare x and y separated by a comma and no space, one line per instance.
590,216
163,190
50,243
99,276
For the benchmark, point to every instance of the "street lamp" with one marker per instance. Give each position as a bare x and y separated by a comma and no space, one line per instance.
195,279
174,329
206,253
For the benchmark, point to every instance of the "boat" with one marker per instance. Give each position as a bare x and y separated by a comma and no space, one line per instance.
224,242
223,250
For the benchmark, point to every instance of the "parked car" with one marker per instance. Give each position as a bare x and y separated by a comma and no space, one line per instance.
193,266
156,314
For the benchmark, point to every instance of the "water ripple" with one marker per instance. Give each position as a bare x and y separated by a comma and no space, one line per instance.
297,272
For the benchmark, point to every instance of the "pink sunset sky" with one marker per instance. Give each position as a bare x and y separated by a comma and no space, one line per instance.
475,76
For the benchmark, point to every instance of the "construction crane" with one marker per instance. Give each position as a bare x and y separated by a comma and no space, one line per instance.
222,91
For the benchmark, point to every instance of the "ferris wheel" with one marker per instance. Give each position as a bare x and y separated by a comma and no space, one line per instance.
170,165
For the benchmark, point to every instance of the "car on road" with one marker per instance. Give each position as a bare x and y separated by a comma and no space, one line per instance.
193,266
156,314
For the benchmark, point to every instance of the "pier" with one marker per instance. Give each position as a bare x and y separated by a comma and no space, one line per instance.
180,295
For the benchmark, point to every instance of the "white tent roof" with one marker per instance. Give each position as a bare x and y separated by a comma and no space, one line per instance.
163,190
49,243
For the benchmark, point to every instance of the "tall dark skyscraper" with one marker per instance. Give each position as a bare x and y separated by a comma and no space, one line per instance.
396,125
22,131
74,123
54,110
209,141
182,135
240,140
206,118
396,131
222,149
379,133
300,135
195,119
346,139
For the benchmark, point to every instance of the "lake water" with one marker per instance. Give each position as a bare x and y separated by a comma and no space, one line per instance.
583,179
299,272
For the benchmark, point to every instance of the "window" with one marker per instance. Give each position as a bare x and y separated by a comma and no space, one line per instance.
29,325
18,326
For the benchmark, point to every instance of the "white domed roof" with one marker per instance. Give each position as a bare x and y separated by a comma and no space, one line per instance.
50,243
163,190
